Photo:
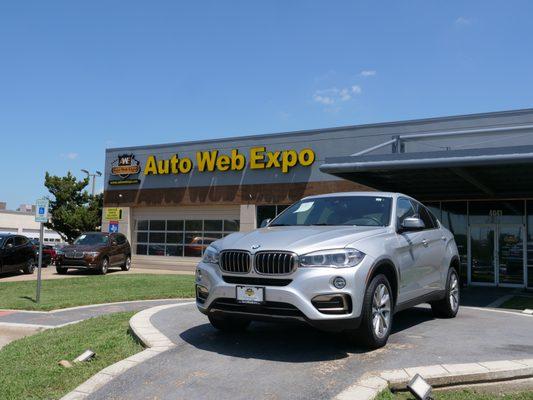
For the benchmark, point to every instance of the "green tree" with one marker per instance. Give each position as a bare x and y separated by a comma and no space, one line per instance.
72,209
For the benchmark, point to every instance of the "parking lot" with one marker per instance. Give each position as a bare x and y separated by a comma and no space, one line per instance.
272,361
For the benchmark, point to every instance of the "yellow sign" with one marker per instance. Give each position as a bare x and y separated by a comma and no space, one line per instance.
113,214
259,158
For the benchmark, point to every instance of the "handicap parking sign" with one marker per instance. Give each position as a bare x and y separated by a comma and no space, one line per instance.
113,226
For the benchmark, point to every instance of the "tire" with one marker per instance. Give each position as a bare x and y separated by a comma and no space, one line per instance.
377,313
229,324
29,268
449,306
104,266
60,270
127,264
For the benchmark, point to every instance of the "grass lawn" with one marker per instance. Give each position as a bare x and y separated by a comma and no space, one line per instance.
61,293
29,369
458,395
519,303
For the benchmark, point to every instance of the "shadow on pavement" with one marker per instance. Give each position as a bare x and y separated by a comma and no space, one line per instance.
290,342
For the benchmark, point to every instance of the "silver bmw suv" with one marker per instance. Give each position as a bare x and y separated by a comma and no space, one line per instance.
340,262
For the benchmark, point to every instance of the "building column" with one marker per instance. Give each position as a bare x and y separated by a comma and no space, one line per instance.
248,217
124,223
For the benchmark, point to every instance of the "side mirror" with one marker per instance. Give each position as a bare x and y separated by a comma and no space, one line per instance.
265,222
413,224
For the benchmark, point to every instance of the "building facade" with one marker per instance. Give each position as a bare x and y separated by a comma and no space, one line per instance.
23,223
473,171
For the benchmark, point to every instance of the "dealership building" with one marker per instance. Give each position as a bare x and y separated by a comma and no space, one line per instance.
475,172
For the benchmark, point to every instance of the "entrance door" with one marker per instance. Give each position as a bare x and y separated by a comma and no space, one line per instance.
497,254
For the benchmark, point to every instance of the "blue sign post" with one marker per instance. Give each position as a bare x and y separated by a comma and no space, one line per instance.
41,216
113,226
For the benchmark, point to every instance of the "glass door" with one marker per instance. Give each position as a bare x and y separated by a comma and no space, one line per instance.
482,254
510,255
497,254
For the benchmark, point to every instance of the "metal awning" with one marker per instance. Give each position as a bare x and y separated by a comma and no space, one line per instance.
503,172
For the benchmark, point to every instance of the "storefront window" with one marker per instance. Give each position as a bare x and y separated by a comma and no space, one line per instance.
180,237
494,212
529,208
266,212
454,216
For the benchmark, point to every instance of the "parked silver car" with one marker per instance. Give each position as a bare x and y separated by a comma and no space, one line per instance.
341,262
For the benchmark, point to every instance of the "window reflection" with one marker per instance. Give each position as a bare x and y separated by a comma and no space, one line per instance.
178,238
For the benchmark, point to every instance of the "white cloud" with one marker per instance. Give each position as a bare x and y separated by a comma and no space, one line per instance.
70,156
334,95
326,100
356,89
368,72
463,21
345,94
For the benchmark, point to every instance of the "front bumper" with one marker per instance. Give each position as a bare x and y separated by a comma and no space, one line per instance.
78,263
287,300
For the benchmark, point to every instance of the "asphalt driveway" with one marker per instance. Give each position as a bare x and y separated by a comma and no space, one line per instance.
272,361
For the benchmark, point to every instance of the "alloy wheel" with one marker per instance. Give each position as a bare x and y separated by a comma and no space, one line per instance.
381,310
454,292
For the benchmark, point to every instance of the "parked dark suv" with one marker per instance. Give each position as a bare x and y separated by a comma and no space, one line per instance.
97,251
16,253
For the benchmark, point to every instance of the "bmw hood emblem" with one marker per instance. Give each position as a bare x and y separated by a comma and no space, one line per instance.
255,246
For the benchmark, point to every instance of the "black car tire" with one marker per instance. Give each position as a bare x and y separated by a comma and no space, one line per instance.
60,270
104,266
228,324
366,332
127,264
449,305
29,268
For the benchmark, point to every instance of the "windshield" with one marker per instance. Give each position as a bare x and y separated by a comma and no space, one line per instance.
91,239
339,210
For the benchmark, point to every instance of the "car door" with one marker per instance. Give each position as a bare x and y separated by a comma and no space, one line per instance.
122,248
9,255
114,251
411,254
435,247
21,255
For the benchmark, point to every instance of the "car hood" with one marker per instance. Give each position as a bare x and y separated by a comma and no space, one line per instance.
298,239
79,247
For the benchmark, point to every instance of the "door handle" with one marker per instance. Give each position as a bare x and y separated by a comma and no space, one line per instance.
425,243
443,238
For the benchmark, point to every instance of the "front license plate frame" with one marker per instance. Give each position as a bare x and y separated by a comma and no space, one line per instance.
250,294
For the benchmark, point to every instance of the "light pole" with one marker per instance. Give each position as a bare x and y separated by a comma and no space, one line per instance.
89,175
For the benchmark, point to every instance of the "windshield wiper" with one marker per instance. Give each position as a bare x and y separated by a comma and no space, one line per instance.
279,225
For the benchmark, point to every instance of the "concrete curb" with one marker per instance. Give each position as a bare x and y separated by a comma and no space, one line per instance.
370,385
154,341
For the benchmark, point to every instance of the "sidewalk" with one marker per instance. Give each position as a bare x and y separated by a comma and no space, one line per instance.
15,324
50,273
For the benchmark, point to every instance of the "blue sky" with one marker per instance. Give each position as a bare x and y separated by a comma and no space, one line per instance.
77,77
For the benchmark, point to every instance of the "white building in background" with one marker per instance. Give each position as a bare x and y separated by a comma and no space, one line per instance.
23,223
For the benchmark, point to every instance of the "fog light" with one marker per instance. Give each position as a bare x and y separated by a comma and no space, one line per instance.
419,388
202,293
339,282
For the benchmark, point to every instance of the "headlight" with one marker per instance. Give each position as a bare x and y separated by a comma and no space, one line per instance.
338,258
91,253
211,255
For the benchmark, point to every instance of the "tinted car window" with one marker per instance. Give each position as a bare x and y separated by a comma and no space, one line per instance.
121,239
423,214
20,241
404,209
